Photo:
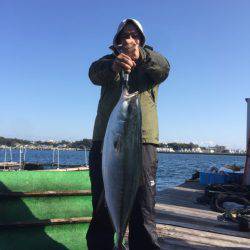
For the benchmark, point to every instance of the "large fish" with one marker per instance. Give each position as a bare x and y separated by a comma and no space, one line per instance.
121,161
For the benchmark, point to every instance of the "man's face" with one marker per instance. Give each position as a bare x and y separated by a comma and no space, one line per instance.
129,36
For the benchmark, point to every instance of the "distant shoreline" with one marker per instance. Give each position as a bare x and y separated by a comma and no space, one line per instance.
195,153
160,152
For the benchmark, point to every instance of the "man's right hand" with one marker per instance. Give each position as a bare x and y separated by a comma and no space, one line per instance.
123,62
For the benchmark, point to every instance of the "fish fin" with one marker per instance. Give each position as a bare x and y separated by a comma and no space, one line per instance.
118,144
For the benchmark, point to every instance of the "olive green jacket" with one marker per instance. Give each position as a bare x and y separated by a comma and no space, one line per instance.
150,71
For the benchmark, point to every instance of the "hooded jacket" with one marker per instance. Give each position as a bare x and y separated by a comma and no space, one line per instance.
151,70
122,25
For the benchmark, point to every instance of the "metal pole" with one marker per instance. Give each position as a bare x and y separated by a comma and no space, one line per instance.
58,159
85,155
10,154
248,119
246,177
5,154
24,154
53,156
5,157
20,157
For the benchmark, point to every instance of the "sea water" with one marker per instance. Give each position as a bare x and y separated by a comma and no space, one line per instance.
173,169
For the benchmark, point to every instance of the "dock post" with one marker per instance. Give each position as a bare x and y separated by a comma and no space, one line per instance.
246,177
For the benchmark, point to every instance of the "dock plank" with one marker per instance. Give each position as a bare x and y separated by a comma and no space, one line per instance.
183,223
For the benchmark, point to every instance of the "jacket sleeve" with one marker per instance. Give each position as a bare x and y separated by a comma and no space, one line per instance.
155,66
100,72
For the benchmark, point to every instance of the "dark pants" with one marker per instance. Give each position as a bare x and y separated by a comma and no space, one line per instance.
142,234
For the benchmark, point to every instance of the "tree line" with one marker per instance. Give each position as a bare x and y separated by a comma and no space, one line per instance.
85,143
12,142
178,146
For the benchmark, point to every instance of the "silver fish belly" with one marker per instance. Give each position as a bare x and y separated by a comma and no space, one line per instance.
121,160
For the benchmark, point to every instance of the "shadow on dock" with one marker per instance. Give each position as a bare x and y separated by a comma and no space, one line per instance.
184,195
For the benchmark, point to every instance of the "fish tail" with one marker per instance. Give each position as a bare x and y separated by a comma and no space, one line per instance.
119,245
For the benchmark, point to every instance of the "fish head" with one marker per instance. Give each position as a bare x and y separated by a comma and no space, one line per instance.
128,102
127,96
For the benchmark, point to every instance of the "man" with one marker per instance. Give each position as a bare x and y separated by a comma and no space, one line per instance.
147,70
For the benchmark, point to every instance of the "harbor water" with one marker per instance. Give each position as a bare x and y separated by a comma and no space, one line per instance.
173,169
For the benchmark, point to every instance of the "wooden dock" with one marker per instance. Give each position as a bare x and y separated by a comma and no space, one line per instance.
9,164
184,224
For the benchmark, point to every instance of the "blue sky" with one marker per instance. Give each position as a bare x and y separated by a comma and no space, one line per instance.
47,47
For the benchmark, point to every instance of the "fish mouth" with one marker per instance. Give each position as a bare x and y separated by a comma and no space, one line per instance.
127,95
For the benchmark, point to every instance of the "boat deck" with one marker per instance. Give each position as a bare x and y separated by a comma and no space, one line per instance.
182,223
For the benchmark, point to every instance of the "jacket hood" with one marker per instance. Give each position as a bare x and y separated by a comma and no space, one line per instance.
121,26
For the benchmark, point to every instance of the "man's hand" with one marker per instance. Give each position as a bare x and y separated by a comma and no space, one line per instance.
123,62
132,51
